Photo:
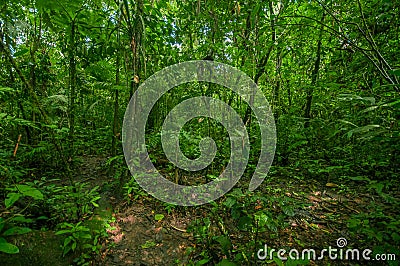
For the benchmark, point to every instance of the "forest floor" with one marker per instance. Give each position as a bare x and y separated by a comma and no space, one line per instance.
137,238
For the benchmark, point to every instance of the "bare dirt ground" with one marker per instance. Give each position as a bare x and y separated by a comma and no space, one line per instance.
138,239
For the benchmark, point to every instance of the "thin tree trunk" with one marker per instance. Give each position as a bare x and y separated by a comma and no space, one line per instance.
32,74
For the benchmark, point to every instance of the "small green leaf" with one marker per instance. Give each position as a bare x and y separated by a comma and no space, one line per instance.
148,244
87,246
396,236
66,250
203,261
359,178
278,261
85,236
21,52
63,232
395,72
4,90
67,241
226,262
229,202
245,223
159,217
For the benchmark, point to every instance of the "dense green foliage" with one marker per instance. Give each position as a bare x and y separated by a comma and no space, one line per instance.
330,70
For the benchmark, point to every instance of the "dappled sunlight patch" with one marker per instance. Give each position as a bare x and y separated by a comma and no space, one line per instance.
115,233
130,219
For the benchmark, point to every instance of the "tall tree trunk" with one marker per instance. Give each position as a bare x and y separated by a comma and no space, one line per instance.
135,32
278,64
72,87
314,76
116,96
36,35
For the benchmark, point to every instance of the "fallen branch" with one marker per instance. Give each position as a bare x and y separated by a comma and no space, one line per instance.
178,229
17,145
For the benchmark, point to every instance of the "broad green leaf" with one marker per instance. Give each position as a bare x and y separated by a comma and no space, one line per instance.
7,247
30,191
11,199
17,231
22,219
225,243
82,228
361,129
83,235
